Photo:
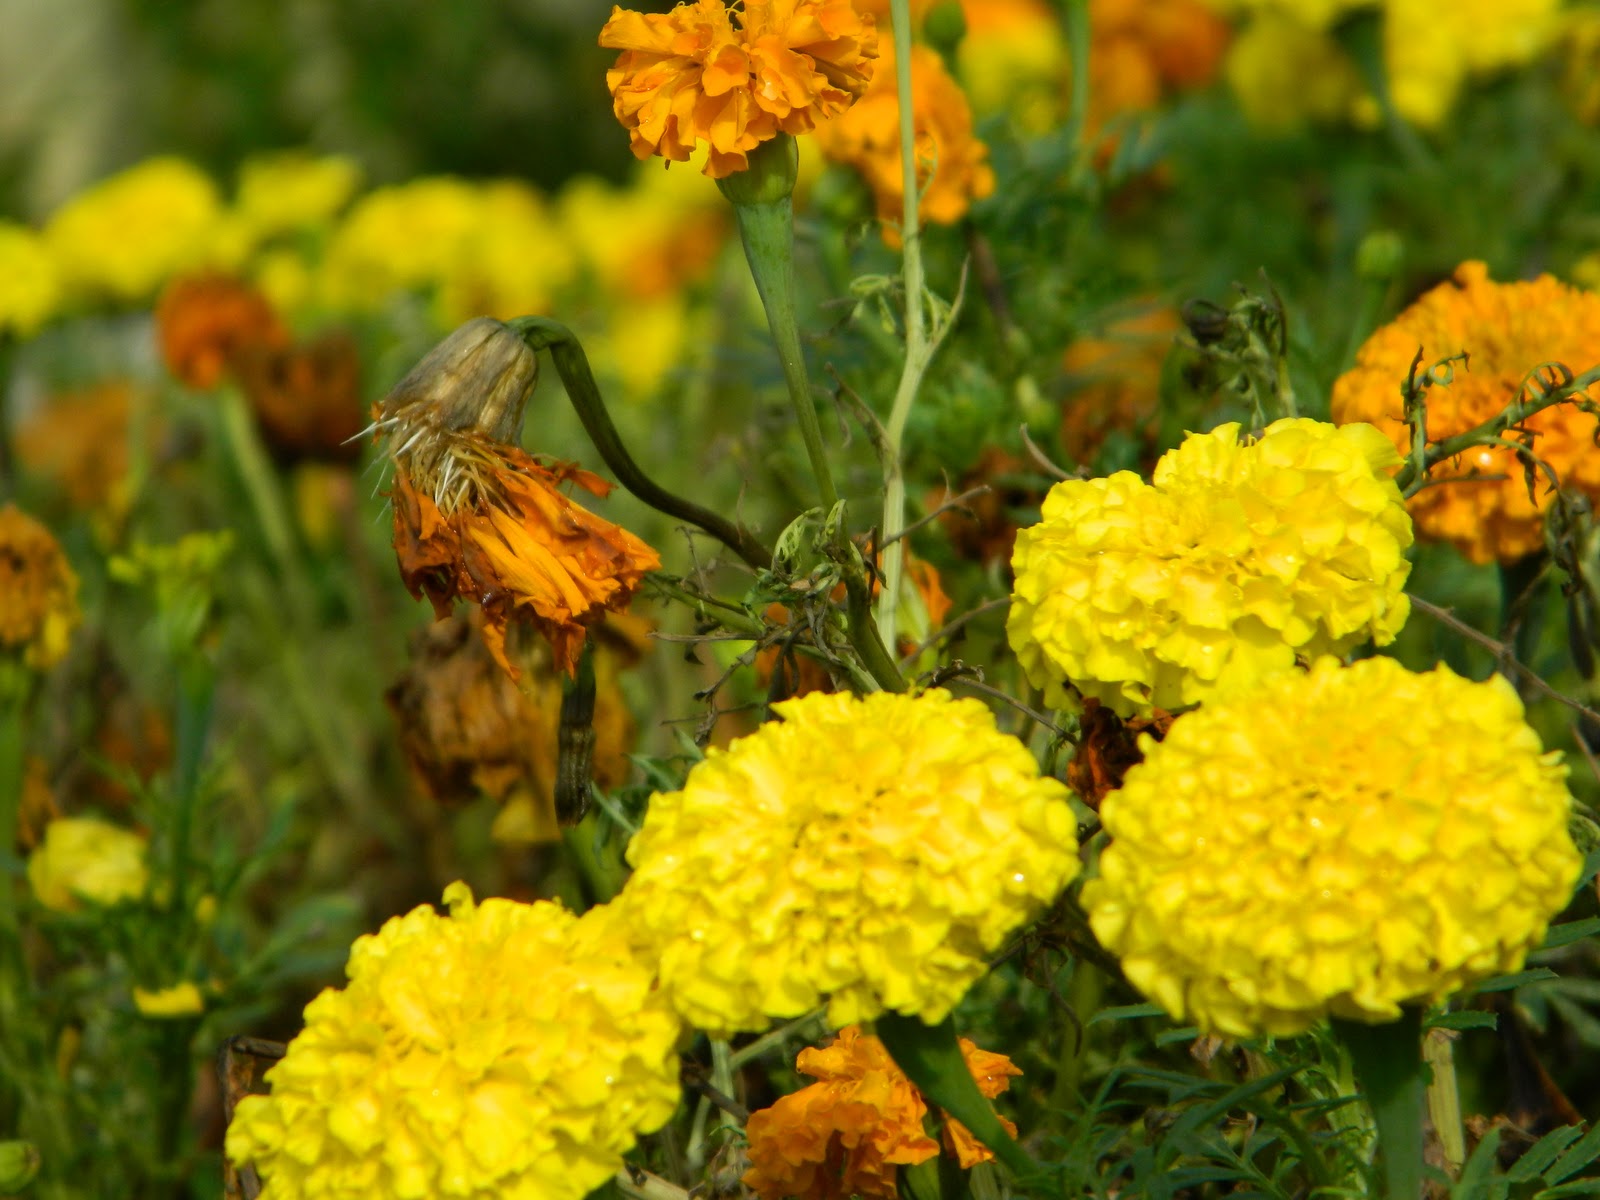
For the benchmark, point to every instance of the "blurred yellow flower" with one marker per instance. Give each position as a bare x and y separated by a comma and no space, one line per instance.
179,1000
84,860
691,75
30,292
870,851
1238,558
647,240
124,237
1338,842
847,1134
1285,73
504,1050
952,164
294,190
1481,502
38,592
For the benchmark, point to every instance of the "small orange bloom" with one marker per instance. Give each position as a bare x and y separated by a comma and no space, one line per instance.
1116,380
79,441
1480,502
203,321
847,1134
952,164
692,75
306,398
1143,49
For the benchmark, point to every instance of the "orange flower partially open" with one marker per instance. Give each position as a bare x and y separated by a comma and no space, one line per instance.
952,164
692,75
203,321
847,1134
1481,502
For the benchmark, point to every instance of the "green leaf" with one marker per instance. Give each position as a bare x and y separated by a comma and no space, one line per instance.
1467,1019
1543,1153
1584,1152
1504,983
1127,1012
1478,1169
1572,931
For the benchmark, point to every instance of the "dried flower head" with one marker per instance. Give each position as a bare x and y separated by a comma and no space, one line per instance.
692,75
306,397
1239,558
873,851
38,592
468,730
1481,503
952,164
477,518
204,321
504,1050
1258,880
847,1134
84,860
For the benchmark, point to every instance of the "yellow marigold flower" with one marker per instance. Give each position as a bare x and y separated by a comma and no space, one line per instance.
30,291
1238,558
693,76
1014,56
294,190
873,850
38,592
644,242
1285,73
1259,879
169,1003
84,860
952,164
505,1050
1508,329
125,236
848,1134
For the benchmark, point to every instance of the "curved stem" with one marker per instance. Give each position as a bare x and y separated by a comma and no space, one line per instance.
572,364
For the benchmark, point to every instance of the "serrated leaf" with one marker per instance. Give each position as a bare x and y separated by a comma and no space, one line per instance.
1543,1153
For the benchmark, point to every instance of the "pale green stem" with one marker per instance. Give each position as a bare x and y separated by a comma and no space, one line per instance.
917,352
1444,1100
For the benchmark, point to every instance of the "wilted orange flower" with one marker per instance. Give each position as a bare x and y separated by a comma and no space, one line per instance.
692,75
847,1134
477,518
203,321
1480,502
306,398
1107,747
468,730
38,592
952,164
1115,381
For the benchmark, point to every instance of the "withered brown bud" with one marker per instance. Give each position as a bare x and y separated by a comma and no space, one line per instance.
475,381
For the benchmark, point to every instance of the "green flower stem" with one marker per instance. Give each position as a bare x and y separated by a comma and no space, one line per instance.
196,689
1077,22
918,351
572,364
864,634
1390,1071
1444,1100
931,1057
15,686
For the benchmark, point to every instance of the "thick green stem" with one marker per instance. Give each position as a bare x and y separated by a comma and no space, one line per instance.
1392,1077
917,352
572,364
865,638
931,1057
767,231
1444,1100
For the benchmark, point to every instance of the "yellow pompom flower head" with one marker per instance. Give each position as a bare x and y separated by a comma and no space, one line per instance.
1481,502
84,860
1239,558
693,75
871,852
1259,879
505,1050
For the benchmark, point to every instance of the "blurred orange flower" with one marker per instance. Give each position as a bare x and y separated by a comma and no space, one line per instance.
692,75
520,549
1115,379
847,1134
79,440
1480,502
952,164
1144,49
306,398
203,321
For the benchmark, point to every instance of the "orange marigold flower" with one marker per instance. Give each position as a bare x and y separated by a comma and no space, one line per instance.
1144,49
38,592
1480,502
477,518
1115,379
847,1134
80,442
952,164
692,75
203,321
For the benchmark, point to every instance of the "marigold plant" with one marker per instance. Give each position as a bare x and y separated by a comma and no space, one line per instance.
503,1050
85,860
38,592
1258,880
1236,559
1481,503
848,1133
868,851
693,75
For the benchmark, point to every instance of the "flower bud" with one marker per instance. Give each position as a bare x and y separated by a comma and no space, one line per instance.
477,380
1378,256
19,1163
945,26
